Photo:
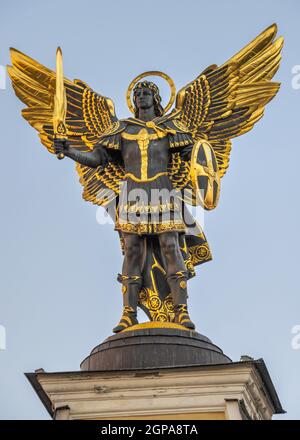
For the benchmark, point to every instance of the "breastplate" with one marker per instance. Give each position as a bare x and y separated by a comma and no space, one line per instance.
143,138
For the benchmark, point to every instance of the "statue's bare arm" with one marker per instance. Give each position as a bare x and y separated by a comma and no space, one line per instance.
99,156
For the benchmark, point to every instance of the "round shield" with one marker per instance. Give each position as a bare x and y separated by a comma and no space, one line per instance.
205,175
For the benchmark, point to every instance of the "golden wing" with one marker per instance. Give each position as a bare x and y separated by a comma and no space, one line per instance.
225,102
179,173
101,185
88,116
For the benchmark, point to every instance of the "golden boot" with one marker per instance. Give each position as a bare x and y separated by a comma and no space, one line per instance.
130,288
178,286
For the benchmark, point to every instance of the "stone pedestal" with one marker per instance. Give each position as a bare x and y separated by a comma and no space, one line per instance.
155,371
153,345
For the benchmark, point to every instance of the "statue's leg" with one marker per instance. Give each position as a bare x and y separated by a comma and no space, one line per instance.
176,276
131,281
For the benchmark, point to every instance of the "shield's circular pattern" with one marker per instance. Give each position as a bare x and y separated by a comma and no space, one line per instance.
205,175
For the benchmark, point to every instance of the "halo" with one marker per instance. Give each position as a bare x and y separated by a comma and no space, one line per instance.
151,73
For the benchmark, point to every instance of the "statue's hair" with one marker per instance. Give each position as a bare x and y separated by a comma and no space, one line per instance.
158,109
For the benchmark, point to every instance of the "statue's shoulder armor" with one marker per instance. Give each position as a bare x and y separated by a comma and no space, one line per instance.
180,136
111,138
134,122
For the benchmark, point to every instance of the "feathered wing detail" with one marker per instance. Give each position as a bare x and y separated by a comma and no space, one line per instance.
101,185
179,173
89,115
225,102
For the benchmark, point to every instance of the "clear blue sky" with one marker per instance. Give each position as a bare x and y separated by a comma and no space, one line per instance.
59,295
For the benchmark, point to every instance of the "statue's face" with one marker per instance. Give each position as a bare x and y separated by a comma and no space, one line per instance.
144,98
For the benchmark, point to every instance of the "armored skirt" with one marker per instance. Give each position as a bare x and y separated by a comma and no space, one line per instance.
149,207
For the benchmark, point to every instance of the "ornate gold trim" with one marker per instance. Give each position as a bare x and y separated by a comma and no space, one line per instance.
200,253
149,179
155,324
151,209
150,228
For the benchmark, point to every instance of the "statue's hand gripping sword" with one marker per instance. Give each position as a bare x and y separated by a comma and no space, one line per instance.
60,102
